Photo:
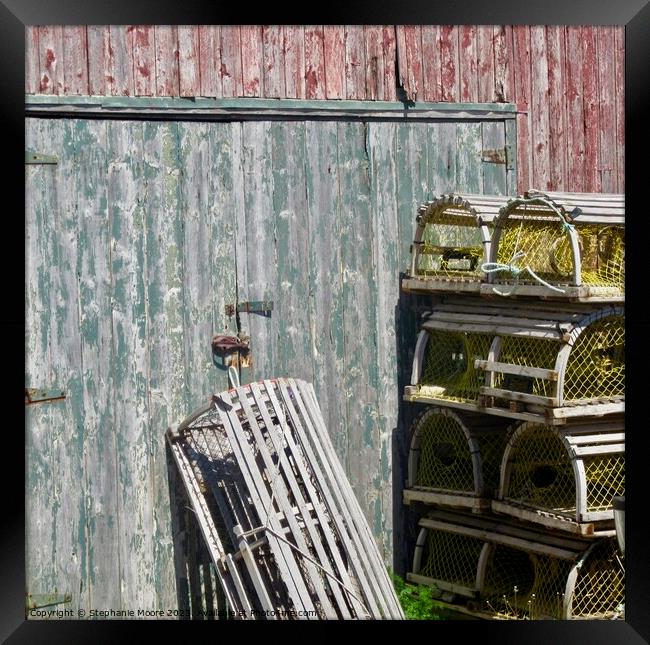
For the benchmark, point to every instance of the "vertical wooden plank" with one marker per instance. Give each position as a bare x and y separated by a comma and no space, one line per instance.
50,42
541,175
98,44
166,46
402,59
195,200
607,104
555,47
590,65
210,60
75,63
294,61
231,62
225,209
575,143
431,63
359,310
494,174
443,147
385,226
619,58
334,48
130,364
121,79
389,45
165,338
469,168
413,37
504,82
449,71
326,273
485,64
41,473
521,60
32,66
144,65
468,60
512,169
94,268
251,59
188,60
292,311
261,250
314,62
273,62
355,63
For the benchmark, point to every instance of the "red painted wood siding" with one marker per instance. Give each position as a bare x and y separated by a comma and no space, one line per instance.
568,82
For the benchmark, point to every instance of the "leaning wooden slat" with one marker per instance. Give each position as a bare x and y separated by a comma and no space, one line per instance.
238,584
296,490
254,573
281,495
306,400
335,509
287,566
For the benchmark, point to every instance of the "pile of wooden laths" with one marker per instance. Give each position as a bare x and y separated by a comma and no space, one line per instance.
283,528
518,450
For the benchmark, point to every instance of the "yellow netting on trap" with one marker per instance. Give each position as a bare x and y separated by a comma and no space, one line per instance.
596,365
605,477
445,461
525,585
541,472
602,252
452,246
541,243
531,352
448,371
600,586
451,557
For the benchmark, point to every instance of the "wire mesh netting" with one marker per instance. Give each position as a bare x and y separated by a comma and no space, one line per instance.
448,371
452,558
600,585
530,352
451,246
605,477
541,471
602,251
596,364
445,461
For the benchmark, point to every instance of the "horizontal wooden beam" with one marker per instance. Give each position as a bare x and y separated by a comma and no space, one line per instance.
605,449
443,585
519,370
524,397
445,499
256,109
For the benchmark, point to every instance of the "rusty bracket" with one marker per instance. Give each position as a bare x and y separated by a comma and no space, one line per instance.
38,158
37,600
253,307
503,156
38,395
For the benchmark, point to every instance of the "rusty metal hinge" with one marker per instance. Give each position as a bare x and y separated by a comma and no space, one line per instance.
39,158
38,395
37,600
503,156
253,307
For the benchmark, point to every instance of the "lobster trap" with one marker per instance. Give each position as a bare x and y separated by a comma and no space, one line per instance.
285,533
455,461
559,245
532,362
508,570
564,477
452,241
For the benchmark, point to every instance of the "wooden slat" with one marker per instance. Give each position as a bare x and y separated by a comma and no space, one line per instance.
541,171
449,62
431,89
166,53
519,396
210,60
520,370
504,82
389,48
521,65
589,409
294,60
553,522
375,70
575,116
121,81
607,449
314,62
98,44
468,58
144,61
413,42
590,100
251,59
605,437
273,62
355,63
444,499
50,42
442,584
556,56
32,65
619,97
485,63
607,106
334,61
188,60
75,62
231,61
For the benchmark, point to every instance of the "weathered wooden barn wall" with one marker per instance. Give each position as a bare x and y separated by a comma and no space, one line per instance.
137,239
567,81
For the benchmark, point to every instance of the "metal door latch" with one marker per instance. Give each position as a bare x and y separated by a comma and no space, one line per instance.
253,307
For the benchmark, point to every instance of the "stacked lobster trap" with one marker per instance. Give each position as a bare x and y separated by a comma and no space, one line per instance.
520,364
